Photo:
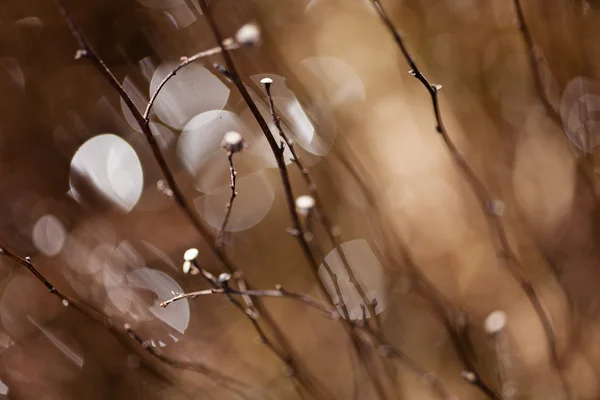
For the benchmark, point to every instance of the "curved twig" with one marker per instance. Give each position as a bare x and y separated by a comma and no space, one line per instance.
513,264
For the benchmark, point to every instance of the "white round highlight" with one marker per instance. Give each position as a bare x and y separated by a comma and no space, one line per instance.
112,166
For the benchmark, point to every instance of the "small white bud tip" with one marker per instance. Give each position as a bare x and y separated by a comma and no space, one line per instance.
224,277
233,142
248,35
127,327
65,302
266,81
495,322
190,254
305,204
187,266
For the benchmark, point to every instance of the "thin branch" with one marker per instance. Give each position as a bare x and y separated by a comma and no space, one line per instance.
513,264
320,211
229,383
382,344
230,44
436,301
534,60
229,206
279,292
92,313
87,51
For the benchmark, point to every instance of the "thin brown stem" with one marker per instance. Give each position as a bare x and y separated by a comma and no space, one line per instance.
513,264
87,51
320,213
185,61
229,206
235,386
279,292
436,301
93,314
534,61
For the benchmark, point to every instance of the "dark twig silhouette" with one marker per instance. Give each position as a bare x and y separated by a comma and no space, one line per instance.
513,264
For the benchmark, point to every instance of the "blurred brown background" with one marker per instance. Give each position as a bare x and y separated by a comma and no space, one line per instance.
91,212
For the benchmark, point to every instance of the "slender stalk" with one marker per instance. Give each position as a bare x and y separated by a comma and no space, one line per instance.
534,60
229,206
319,211
513,264
93,314
381,343
185,61
436,301
143,121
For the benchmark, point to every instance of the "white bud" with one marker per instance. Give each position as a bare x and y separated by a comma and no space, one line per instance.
190,254
248,35
187,265
266,81
495,322
224,277
469,376
305,204
233,142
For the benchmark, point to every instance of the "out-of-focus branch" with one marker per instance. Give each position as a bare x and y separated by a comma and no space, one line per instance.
534,60
92,313
513,264
320,213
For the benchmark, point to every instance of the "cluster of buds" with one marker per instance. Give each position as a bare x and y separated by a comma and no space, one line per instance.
189,258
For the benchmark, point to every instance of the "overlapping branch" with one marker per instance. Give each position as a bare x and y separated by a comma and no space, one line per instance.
513,263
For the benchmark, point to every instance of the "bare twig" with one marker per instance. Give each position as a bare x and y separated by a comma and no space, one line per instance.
143,121
279,292
513,264
319,211
534,60
92,313
436,301
229,206
382,344
185,61
229,383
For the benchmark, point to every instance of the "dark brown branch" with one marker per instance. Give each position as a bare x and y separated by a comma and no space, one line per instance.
229,206
185,61
436,301
92,313
319,211
87,51
513,264
229,383
382,344
279,292
534,60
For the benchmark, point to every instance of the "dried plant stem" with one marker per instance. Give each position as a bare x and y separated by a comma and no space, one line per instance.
185,61
143,121
231,384
229,206
319,209
436,301
380,342
93,314
534,63
513,264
